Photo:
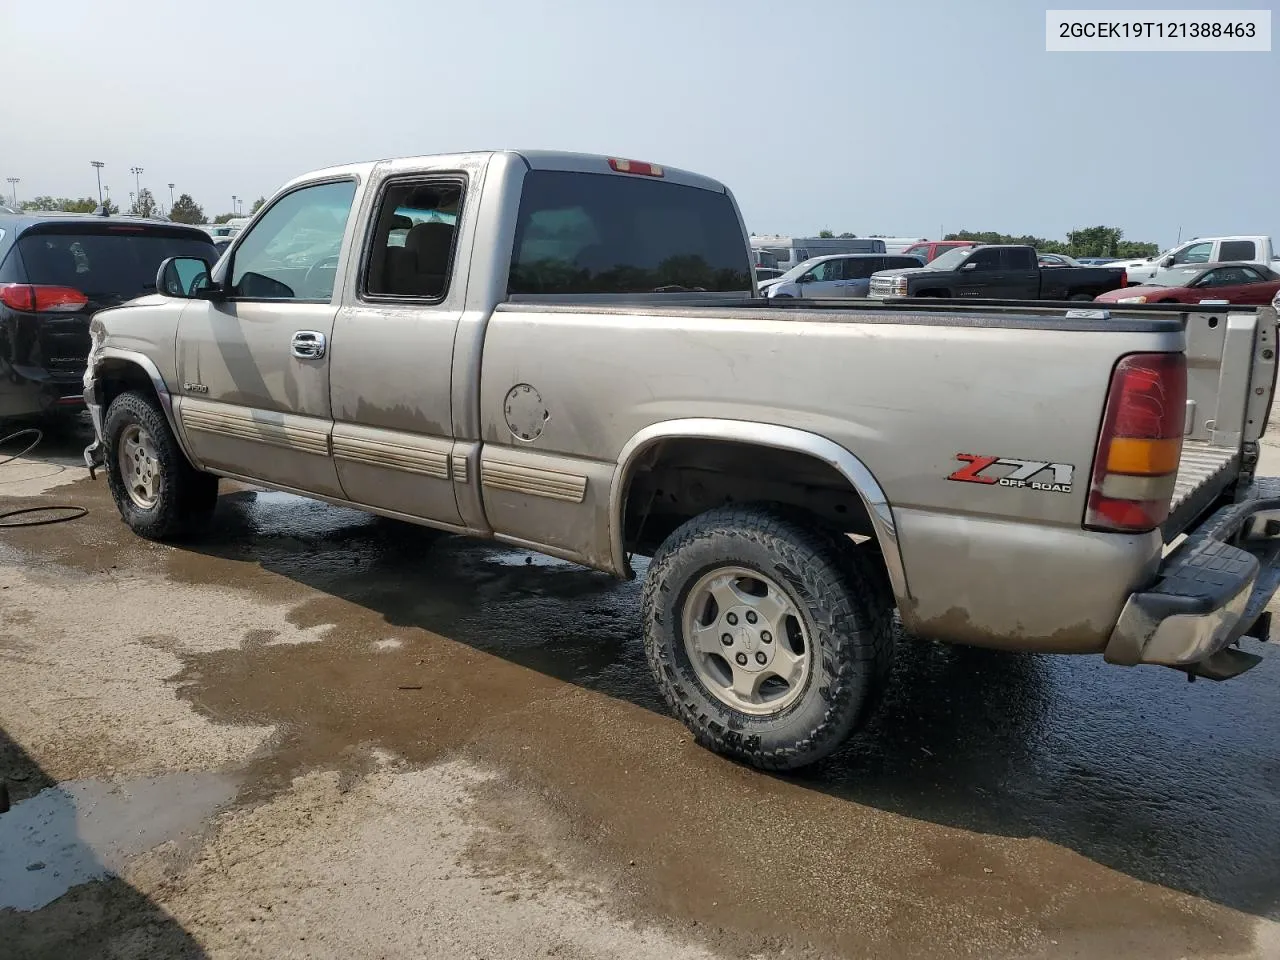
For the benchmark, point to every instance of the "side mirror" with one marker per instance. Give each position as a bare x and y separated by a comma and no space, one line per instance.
970,266
185,277
806,278
1167,262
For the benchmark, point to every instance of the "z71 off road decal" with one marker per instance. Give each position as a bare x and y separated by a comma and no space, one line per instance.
981,469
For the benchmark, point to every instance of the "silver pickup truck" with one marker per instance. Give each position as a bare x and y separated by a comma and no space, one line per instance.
565,353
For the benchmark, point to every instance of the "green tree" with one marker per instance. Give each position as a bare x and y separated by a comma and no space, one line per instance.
40,203
144,205
848,236
825,234
83,205
224,217
257,205
186,210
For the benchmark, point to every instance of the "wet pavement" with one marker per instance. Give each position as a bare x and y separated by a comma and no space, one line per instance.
998,805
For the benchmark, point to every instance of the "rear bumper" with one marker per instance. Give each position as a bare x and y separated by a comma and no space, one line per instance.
1210,591
26,391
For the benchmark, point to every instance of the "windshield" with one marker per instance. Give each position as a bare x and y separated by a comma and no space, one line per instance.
1175,276
949,260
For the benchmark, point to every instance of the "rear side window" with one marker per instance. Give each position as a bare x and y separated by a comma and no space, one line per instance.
860,268
1019,259
894,263
1237,250
411,254
107,265
600,233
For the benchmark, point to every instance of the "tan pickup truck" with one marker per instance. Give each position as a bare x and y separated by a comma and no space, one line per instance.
565,352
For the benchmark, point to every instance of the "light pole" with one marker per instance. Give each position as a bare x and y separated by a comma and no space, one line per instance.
13,187
171,198
97,169
137,178
233,203
133,207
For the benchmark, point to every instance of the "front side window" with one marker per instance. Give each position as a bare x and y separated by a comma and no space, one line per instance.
1196,253
826,270
292,251
986,259
412,247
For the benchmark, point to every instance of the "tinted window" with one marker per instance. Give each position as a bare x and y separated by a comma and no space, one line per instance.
115,265
292,251
920,250
1227,277
986,259
826,270
1237,250
411,253
602,233
1020,259
862,267
894,263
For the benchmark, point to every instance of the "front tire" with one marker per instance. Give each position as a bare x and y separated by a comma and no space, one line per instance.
157,491
770,639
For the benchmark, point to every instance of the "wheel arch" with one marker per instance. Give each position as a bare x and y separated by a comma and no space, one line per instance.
791,440
116,371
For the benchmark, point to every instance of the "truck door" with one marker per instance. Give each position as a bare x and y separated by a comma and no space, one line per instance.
981,276
1020,273
254,366
393,432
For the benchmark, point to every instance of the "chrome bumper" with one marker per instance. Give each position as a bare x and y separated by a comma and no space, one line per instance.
1210,591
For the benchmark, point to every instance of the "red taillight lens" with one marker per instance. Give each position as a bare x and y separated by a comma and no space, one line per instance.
1140,444
618,165
39,298
1124,279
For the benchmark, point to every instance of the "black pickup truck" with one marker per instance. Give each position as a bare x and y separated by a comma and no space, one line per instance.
996,273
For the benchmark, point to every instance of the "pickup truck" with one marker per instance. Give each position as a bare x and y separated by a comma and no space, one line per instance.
996,272
506,346
1203,250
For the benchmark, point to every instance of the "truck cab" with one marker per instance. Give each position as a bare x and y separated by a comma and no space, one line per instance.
1256,249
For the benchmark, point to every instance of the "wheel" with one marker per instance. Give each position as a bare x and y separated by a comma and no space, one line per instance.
782,296
158,493
770,639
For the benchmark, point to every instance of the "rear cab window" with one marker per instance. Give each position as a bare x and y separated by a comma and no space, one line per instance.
1237,250
588,233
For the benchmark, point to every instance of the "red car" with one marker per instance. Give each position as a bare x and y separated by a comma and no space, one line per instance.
928,250
1233,282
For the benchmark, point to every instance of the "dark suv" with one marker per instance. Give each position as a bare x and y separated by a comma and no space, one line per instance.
55,271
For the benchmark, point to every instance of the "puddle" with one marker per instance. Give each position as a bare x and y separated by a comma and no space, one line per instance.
85,830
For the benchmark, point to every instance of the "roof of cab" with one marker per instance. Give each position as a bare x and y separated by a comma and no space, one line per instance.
535,159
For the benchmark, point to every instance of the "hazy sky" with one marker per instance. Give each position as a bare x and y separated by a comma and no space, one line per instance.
890,117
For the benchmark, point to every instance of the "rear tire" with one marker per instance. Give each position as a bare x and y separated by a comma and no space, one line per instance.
799,678
161,496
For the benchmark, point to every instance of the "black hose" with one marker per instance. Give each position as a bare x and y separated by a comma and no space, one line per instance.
67,511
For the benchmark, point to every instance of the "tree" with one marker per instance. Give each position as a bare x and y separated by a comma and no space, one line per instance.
825,234
848,236
145,205
224,217
40,203
1097,241
257,205
83,205
186,210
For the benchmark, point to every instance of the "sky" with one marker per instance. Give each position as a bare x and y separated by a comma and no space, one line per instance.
871,116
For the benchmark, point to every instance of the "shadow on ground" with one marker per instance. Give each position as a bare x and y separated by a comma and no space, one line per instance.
1170,783
101,918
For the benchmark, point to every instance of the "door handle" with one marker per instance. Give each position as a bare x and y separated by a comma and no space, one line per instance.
308,345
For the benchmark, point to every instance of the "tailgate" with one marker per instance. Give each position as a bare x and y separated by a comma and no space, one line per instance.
1231,374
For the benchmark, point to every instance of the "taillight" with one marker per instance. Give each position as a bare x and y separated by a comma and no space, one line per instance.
618,165
39,298
1124,279
1140,444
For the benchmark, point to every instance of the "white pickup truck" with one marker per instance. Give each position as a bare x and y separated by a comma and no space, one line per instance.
1202,250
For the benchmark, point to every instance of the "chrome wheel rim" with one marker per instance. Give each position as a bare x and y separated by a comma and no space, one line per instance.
746,640
139,466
